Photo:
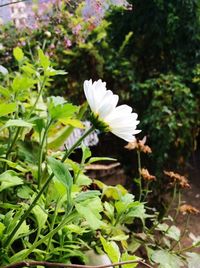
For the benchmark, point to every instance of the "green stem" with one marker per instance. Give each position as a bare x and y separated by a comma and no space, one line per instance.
165,213
41,153
26,214
52,226
183,233
38,96
140,178
67,219
29,115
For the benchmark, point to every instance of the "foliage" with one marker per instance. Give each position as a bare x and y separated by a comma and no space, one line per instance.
170,117
50,209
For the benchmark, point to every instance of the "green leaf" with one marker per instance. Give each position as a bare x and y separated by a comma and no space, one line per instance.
5,92
9,179
59,109
90,210
2,228
43,59
17,123
62,173
72,122
86,196
25,192
7,108
96,159
23,230
40,215
166,259
111,249
174,233
86,153
21,84
18,54
52,72
126,257
193,259
14,165
83,180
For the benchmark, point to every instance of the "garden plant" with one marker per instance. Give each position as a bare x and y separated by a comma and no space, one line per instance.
51,212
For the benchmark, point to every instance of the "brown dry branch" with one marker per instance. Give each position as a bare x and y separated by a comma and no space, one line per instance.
56,264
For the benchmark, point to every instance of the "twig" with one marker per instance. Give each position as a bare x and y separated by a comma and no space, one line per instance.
12,3
54,264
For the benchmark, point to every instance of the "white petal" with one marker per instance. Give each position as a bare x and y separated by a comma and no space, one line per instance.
108,104
125,137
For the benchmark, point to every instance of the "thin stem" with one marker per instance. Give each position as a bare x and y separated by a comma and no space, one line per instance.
52,226
19,128
38,96
178,206
183,233
26,214
165,213
66,220
139,171
41,153
55,264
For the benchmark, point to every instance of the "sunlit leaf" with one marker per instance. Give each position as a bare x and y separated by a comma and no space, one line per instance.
9,179
126,257
111,249
43,59
18,53
7,108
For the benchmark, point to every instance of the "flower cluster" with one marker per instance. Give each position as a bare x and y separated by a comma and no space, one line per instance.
146,175
188,209
139,145
182,180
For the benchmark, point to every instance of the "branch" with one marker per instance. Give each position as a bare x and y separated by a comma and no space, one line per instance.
63,265
12,3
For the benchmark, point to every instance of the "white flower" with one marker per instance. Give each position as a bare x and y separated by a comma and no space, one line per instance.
117,119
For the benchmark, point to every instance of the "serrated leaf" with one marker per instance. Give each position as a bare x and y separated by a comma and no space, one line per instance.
111,249
90,210
18,54
59,109
9,179
7,108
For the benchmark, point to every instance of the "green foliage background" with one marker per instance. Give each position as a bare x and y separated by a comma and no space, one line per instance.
148,55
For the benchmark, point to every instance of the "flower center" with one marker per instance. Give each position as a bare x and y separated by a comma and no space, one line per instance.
99,123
